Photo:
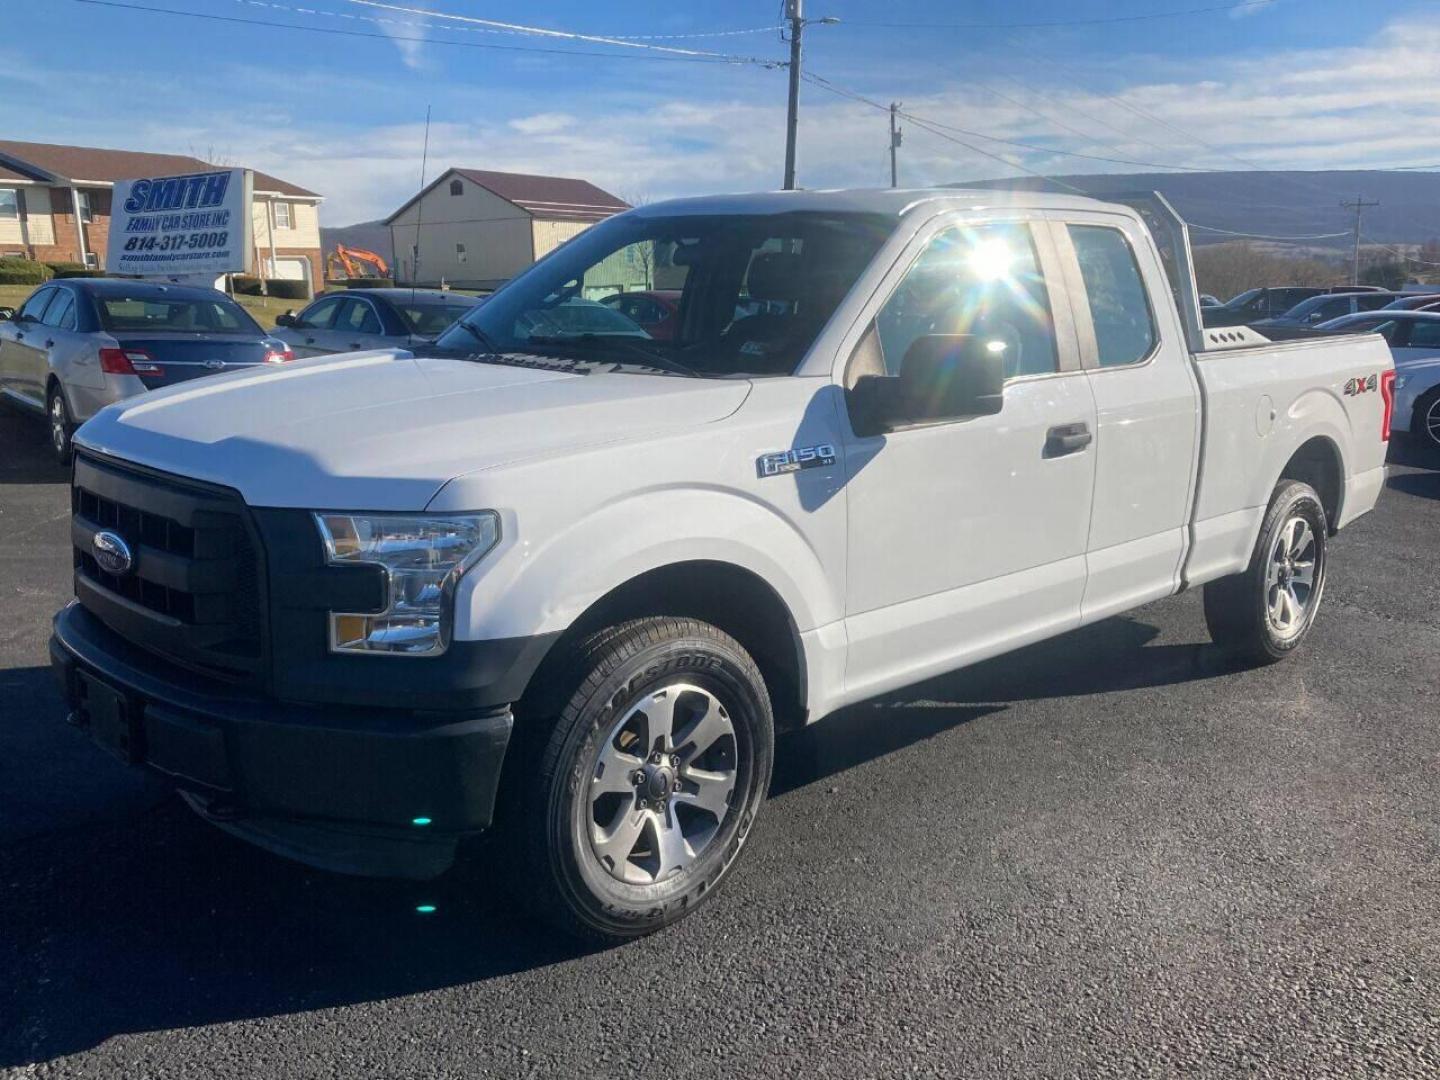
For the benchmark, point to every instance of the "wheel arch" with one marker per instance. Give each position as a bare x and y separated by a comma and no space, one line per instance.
731,597
1319,462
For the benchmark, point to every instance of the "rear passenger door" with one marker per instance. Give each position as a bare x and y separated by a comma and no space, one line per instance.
23,350
1146,410
358,326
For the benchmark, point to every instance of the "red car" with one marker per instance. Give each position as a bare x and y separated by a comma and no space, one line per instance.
656,311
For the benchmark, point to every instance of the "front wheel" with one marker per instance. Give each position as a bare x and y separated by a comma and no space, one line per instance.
62,428
650,781
1263,614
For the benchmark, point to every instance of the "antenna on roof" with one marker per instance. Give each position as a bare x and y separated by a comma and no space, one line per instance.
419,211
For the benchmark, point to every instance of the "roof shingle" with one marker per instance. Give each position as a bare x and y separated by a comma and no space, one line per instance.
47,160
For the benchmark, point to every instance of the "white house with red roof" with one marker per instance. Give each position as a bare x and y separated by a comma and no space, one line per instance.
476,229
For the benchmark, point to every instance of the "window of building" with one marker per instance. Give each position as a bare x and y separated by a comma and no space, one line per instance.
1119,302
282,215
456,187
460,252
84,199
982,281
92,260
9,203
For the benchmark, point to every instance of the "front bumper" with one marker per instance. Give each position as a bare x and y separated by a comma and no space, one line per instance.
340,787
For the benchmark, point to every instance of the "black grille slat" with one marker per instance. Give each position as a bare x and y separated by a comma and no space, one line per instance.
195,593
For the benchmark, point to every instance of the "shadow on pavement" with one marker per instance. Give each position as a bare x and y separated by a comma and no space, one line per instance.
1413,453
27,459
135,915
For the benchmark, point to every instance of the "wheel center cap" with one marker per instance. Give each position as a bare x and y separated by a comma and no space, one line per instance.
658,782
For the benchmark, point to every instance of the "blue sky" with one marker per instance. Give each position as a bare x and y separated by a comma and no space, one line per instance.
1289,83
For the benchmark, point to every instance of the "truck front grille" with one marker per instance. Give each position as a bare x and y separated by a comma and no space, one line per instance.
194,593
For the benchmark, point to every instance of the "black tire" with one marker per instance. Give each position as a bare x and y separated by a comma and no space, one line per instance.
59,425
554,802
1238,609
1425,423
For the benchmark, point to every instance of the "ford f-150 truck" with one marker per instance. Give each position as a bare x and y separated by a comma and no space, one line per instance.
562,583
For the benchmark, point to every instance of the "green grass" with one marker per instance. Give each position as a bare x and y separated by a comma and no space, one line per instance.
262,308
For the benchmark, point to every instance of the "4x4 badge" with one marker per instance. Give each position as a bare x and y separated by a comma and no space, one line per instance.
1362,385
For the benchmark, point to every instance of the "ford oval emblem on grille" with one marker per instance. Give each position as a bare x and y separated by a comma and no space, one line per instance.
112,553
214,365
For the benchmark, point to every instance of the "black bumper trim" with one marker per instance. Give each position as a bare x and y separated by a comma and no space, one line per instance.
346,768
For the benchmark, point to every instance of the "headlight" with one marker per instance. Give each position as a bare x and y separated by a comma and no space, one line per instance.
423,557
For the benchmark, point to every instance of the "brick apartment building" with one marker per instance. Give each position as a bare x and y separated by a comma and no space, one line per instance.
55,207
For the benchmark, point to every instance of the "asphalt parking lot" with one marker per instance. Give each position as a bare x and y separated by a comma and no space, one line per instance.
1108,855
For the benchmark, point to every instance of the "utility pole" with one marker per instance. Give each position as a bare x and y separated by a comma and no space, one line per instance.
1359,206
794,11
895,137
792,118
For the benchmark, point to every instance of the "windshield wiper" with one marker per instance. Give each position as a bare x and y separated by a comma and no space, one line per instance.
478,334
649,357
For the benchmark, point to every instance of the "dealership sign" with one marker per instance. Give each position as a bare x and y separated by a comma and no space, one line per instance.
178,226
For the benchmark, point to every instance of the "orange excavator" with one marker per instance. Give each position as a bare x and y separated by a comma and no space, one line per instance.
350,260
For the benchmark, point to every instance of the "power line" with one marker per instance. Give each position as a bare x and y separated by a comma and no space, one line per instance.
337,31
1262,236
538,31
1049,23
833,88
1033,147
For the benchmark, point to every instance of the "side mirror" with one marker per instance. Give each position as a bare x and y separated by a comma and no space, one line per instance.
287,319
952,376
943,377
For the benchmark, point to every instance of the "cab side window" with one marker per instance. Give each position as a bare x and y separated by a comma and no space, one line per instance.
1119,302
61,312
983,281
34,308
359,317
1424,335
321,315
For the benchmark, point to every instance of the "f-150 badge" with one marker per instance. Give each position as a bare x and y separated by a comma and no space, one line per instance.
1362,386
787,461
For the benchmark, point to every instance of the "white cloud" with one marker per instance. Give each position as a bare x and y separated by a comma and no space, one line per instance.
548,123
1254,8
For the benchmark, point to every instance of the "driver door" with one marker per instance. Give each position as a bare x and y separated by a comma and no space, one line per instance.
967,537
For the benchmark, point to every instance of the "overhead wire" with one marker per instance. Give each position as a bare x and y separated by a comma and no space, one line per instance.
128,5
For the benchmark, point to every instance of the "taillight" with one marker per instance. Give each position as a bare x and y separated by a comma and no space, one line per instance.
128,362
1387,397
280,356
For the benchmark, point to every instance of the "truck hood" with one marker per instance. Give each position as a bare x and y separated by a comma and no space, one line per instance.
385,430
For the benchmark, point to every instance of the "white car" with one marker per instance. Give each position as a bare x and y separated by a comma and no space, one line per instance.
1414,340
566,586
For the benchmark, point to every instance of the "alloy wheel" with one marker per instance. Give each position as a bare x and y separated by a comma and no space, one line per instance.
662,785
1290,577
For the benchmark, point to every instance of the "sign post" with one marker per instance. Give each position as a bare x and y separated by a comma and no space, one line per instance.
195,226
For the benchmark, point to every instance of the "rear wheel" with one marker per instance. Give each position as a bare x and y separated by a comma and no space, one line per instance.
1263,614
62,428
1426,422
650,779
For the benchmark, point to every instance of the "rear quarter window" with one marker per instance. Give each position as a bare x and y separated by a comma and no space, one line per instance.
1115,290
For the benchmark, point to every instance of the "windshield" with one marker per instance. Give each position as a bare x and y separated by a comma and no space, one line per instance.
752,292
1244,298
430,318
174,314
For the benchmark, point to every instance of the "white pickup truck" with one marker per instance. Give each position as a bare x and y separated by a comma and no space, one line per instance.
562,580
